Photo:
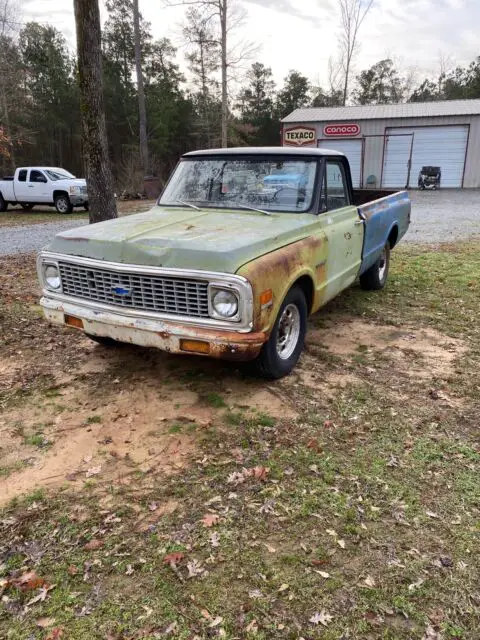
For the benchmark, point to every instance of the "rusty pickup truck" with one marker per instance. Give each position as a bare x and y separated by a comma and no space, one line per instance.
241,247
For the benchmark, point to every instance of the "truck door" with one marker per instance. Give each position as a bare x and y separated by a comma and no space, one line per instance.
344,230
20,186
38,187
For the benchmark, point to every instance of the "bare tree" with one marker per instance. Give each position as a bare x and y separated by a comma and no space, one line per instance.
353,13
221,10
8,24
89,52
142,110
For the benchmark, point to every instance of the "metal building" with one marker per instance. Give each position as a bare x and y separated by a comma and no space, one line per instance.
387,145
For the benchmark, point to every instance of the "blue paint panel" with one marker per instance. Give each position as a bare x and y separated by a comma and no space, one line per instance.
381,217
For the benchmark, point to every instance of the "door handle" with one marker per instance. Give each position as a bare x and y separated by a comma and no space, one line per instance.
360,222
30,186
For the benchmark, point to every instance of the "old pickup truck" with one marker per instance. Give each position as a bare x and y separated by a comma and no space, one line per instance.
242,246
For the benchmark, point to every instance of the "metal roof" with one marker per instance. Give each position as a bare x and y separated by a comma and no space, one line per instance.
263,151
386,111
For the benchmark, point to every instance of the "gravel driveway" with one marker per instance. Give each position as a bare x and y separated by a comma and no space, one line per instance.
437,216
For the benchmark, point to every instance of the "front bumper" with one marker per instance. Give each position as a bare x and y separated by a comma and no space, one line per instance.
78,200
164,335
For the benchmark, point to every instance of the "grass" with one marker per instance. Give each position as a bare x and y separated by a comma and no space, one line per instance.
375,486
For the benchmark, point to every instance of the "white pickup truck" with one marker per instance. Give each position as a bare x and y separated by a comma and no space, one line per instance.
44,185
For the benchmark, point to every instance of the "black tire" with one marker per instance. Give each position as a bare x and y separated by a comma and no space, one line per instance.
3,204
270,364
86,207
63,204
376,277
104,341
26,206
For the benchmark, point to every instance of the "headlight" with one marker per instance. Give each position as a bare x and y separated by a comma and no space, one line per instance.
225,304
75,190
51,275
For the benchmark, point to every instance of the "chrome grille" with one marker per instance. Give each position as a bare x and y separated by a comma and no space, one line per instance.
175,296
83,191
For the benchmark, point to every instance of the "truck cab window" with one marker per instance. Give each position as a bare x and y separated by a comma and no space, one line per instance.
22,175
336,186
37,176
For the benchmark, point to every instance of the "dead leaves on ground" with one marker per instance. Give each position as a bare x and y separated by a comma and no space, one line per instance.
239,477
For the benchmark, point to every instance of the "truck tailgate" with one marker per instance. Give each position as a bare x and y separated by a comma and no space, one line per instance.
388,215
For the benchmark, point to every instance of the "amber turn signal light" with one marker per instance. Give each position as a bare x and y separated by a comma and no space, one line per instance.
72,321
266,298
195,346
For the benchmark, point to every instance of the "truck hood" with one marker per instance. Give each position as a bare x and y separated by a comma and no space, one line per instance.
209,240
71,182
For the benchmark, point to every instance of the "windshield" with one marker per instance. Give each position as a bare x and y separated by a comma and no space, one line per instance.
54,174
272,184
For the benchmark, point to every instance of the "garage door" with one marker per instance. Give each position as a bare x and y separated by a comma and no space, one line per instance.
443,147
353,150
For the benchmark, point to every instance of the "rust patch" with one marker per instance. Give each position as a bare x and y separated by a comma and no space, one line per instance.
279,269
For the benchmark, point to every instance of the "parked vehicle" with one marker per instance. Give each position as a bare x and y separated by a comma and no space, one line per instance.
43,185
210,271
429,178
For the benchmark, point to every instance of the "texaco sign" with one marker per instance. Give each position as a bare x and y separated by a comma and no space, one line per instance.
299,136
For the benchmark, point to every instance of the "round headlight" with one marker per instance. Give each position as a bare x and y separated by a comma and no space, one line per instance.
52,277
225,304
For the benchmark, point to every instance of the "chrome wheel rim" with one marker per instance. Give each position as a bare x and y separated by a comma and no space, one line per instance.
62,205
382,266
288,331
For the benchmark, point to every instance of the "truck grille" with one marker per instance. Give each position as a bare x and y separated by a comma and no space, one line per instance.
176,296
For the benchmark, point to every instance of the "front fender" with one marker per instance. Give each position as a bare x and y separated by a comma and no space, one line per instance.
279,270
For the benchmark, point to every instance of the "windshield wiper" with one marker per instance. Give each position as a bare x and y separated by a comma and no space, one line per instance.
188,204
245,208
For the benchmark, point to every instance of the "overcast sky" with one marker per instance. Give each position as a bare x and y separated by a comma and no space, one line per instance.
302,34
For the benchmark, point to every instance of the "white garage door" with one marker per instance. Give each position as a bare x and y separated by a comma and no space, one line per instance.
443,147
352,149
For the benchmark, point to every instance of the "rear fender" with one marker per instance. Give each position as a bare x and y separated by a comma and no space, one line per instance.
279,270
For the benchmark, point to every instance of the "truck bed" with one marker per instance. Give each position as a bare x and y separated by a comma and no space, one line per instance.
387,218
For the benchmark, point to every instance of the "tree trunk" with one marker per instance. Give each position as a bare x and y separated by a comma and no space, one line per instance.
345,85
142,111
99,174
223,27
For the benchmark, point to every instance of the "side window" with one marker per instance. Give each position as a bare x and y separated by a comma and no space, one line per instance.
336,187
37,176
22,175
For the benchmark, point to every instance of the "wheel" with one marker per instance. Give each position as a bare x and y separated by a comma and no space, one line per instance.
106,342
85,206
3,204
281,353
376,277
63,204
26,206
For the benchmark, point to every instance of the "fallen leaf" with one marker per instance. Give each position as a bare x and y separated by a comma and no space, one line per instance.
72,570
194,569
129,570
216,622
323,618
260,472
41,597
94,471
431,634
269,547
331,532
55,634
432,514
319,563
369,581
93,545
174,558
341,543
283,587
153,506
252,627
171,628
415,585
28,581
210,519
324,574
44,623
205,614
215,539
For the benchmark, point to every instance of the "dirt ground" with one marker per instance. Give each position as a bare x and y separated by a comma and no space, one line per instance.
373,431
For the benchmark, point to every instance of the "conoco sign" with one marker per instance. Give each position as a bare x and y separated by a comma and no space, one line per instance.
341,130
299,136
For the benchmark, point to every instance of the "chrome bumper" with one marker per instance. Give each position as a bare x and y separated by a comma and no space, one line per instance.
165,335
